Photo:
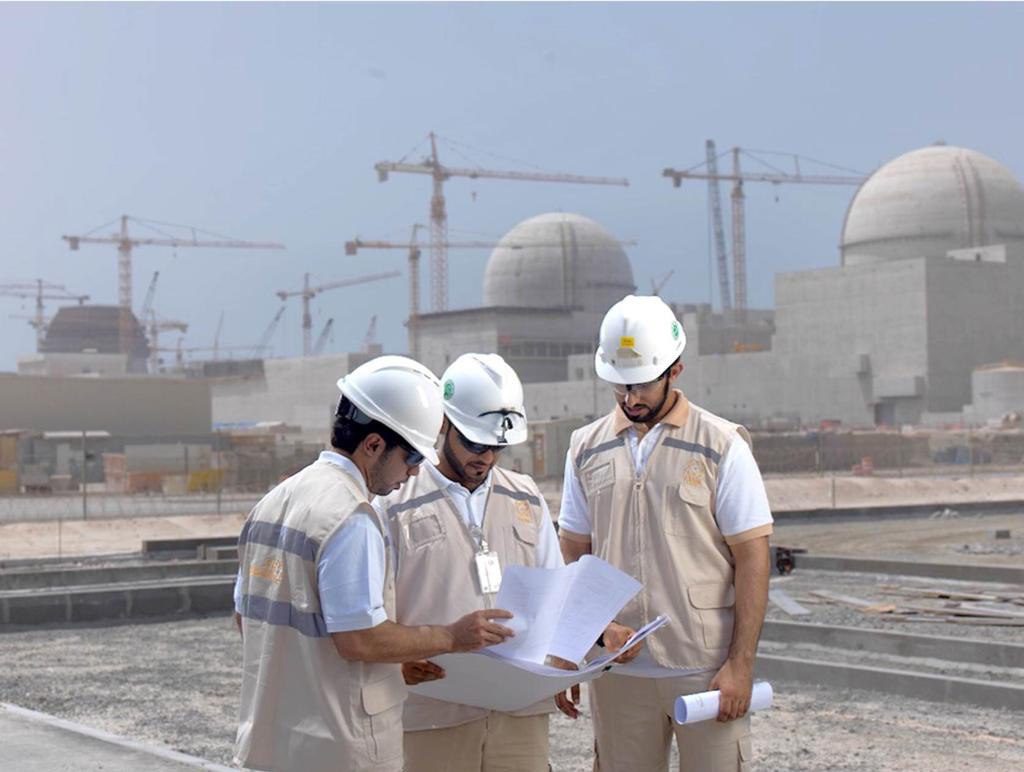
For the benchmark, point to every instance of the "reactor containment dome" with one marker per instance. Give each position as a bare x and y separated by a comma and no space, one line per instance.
558,260
928,202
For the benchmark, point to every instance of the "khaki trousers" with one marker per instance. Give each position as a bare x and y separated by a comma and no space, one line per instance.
633,728
496,743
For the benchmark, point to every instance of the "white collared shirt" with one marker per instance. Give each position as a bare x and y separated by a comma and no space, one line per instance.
350,572
471,506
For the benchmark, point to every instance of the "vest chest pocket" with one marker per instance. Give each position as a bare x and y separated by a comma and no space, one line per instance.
525,530
424,529
597,478
688,509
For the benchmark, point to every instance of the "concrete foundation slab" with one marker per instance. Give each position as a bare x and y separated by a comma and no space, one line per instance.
902,682
38,742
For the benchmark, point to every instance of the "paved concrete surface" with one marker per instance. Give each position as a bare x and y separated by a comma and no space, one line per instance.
38,742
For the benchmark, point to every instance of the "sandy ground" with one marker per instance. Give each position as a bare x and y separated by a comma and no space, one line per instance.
19,541
176,682
943,539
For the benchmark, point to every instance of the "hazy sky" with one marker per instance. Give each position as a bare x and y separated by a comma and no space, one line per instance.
264,122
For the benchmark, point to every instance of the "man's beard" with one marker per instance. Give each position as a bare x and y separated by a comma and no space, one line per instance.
652,413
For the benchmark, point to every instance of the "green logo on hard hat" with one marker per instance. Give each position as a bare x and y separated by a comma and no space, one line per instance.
675,330
449,388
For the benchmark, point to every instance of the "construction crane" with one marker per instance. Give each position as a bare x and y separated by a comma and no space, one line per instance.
125,243
352,247
154,325
264,343
40,290
775,176
432,166
715,199
307,293
322,338
658,282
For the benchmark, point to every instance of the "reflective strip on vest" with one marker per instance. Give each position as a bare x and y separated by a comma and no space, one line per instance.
713,455
280,537
587,453
284,614
419,501
501,490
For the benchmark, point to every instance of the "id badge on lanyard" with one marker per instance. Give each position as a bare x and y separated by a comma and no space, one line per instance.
488,565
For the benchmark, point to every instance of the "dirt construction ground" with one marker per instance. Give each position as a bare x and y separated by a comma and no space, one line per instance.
176,681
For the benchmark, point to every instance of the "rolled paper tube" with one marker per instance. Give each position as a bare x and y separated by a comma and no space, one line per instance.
691,708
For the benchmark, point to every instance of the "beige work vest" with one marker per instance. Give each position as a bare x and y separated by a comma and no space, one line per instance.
660,528
303,707
437,580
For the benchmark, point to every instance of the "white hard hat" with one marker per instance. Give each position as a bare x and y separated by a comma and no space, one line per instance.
640,339
403,395
484,399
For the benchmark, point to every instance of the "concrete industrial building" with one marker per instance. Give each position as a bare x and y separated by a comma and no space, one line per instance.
929,288
85,340
543,299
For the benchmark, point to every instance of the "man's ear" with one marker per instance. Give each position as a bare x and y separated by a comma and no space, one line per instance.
444,426
373,445
676,370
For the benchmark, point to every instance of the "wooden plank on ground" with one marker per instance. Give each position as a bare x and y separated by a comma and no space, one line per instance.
846,600
787,603
960,611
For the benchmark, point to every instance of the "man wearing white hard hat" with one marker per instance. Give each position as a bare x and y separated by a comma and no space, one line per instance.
455,528
671,494
322,687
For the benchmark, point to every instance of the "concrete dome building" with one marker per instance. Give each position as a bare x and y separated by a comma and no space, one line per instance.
558,260
931,201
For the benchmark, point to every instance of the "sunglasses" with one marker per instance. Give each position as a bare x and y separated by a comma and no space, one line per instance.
477,448
627,388
412,456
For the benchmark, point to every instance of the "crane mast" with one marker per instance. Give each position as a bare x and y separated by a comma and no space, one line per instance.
714,197
439,173
738,198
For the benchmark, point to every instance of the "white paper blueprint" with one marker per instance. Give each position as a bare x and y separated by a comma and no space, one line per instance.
488,680
692,708
561,611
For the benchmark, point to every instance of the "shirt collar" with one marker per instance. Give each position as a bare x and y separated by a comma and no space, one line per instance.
445,483
346,465
676,417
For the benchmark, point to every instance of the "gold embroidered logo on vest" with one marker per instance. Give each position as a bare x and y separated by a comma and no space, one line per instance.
270,570
523,512
693,474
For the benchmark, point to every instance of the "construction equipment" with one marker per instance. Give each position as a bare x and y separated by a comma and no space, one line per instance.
307,293
431,165
126,243
775,176
352,247
154,326
264,343
658,282
40,290
322,338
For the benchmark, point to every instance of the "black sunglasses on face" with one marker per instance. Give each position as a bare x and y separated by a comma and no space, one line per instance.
477,448
412,456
